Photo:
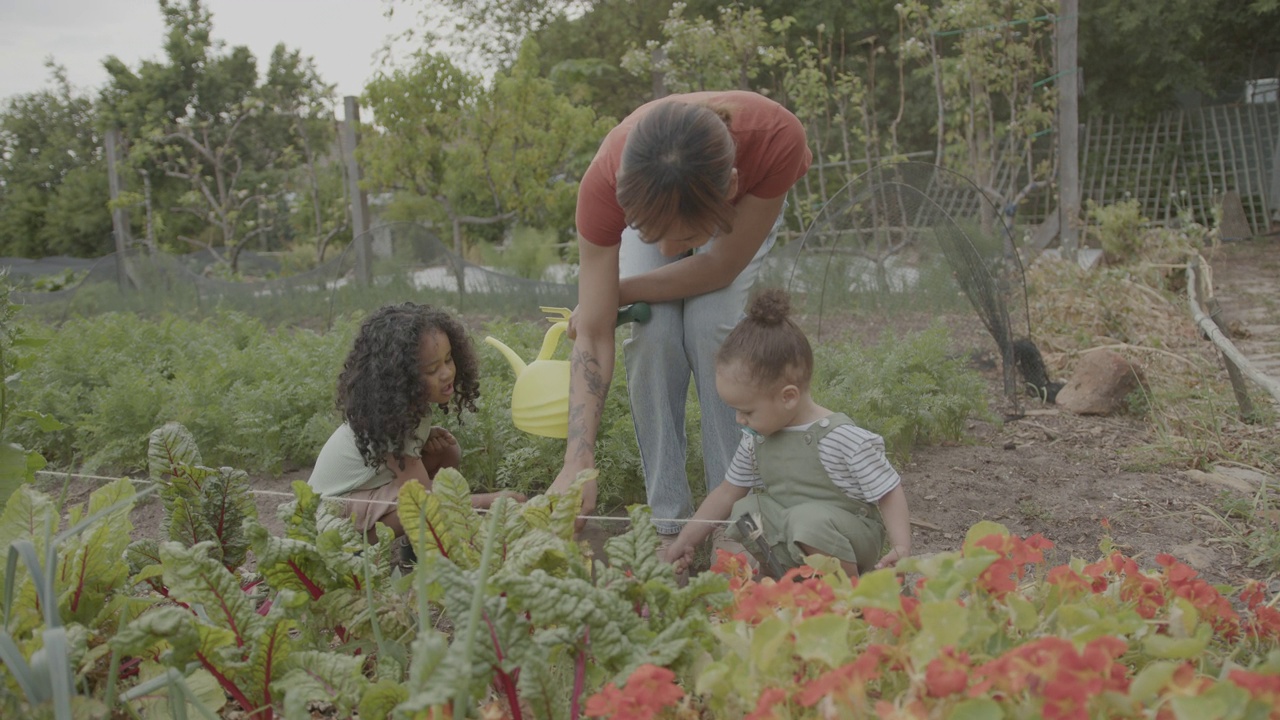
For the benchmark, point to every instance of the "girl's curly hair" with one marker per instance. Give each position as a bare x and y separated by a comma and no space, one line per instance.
380,390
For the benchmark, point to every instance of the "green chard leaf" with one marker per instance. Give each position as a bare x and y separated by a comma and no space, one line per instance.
225,502
28,515
455,506
574,605
637,550
196,579
169,447
313,675
428,527
91,563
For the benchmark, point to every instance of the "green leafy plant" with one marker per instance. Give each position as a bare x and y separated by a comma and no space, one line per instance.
527,254
201,504
62,589
990,631
909,390
529,614
256,399
17,464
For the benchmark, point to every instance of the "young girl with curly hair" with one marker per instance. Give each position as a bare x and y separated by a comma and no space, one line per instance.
813,482
405,359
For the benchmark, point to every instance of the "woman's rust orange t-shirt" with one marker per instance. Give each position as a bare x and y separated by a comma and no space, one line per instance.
772,154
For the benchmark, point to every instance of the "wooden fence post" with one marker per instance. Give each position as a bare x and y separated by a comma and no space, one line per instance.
359,201
1068,128
119,216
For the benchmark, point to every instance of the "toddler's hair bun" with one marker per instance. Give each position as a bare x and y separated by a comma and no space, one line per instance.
771,307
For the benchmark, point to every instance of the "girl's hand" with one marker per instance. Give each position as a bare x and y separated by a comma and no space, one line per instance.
484,501
438,440
892,557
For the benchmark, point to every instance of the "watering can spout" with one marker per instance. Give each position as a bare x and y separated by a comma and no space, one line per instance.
516,363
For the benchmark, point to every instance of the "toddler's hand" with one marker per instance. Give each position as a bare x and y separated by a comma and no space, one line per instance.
892,557
679,555
438,440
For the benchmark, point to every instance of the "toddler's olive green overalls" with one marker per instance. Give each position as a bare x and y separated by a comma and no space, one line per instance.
799,503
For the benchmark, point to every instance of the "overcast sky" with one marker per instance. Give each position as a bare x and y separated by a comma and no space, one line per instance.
341,35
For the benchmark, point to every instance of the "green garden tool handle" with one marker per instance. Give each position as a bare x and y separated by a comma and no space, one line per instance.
636,312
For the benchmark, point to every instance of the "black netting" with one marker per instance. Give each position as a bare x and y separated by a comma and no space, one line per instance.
407,262
910,237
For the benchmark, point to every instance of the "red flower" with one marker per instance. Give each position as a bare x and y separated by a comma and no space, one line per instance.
1052,669
908,615
1147,595
1266,622
1015,553
764,706
846,681
734,566
1069,581
997,579
648,690
1253,594
947,674
1260,686
758,601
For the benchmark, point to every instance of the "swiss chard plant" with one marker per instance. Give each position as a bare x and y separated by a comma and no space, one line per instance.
339,584
539,613
65,590
201,505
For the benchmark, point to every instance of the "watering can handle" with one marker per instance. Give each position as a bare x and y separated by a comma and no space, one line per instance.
636,312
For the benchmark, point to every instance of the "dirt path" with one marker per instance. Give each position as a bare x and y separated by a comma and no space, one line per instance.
1247,282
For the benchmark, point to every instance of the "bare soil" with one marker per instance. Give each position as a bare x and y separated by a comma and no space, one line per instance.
1048,472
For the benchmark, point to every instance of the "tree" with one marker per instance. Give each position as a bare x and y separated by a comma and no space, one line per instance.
493,30
53,178
582,54
220,148
1192,46
989,59
479,156
699,54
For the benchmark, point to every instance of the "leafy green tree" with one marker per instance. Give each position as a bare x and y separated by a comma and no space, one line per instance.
582,54
700,54
218,148
1206,46
53,178
493,30
480,156
988,59
302,109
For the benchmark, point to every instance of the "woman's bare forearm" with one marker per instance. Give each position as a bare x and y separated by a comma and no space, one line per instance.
591,372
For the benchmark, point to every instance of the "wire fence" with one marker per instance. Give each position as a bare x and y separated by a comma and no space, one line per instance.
902,238
408,261
1188,160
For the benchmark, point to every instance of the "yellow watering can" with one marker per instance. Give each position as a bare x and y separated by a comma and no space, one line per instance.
540,398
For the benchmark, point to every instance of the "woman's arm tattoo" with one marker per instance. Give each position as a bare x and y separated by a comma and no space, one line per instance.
586,410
